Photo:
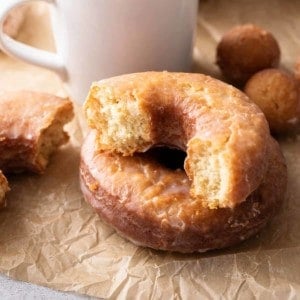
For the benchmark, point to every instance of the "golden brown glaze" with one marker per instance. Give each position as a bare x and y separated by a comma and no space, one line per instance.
222,131
151,206
245,50
276,92
31,128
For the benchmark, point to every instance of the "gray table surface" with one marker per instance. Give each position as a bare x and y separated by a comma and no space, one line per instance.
12,289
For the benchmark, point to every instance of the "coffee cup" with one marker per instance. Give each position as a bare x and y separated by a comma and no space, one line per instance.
96,39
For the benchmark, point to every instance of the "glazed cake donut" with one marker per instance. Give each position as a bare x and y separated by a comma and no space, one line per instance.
31,129
223,133
233,165
150,204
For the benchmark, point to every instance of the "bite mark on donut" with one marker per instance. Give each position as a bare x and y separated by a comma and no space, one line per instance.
110,112
210,177
52,137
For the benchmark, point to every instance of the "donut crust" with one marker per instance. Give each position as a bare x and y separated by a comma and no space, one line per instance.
222,131
151,206
31,128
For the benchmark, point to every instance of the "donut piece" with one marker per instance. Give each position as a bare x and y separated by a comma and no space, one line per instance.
245,50
223,133
151,206
3,189
31,128
276,92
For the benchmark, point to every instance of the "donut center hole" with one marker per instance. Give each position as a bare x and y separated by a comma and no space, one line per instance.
171,158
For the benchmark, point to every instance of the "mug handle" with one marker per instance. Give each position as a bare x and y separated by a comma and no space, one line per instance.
25,52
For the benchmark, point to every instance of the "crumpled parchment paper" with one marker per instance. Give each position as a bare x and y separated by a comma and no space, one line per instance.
50,236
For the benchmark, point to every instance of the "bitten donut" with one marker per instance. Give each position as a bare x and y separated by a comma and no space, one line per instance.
234,178
31,129
223,133
3,189
150,204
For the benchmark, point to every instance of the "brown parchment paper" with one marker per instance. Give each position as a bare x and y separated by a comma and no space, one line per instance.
50,236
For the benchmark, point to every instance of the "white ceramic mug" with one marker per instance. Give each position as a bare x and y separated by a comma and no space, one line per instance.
96,39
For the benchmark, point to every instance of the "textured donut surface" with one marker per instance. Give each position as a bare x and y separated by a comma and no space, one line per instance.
151,205
223,133
31,129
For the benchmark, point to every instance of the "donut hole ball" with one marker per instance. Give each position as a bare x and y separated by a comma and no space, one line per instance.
277,94
245,50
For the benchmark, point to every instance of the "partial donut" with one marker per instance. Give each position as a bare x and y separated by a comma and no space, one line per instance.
245,50
223,133
276,92
151,206
31,128
14,20
3,189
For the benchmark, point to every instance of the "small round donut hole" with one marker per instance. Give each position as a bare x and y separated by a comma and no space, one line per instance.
276,92
245,50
